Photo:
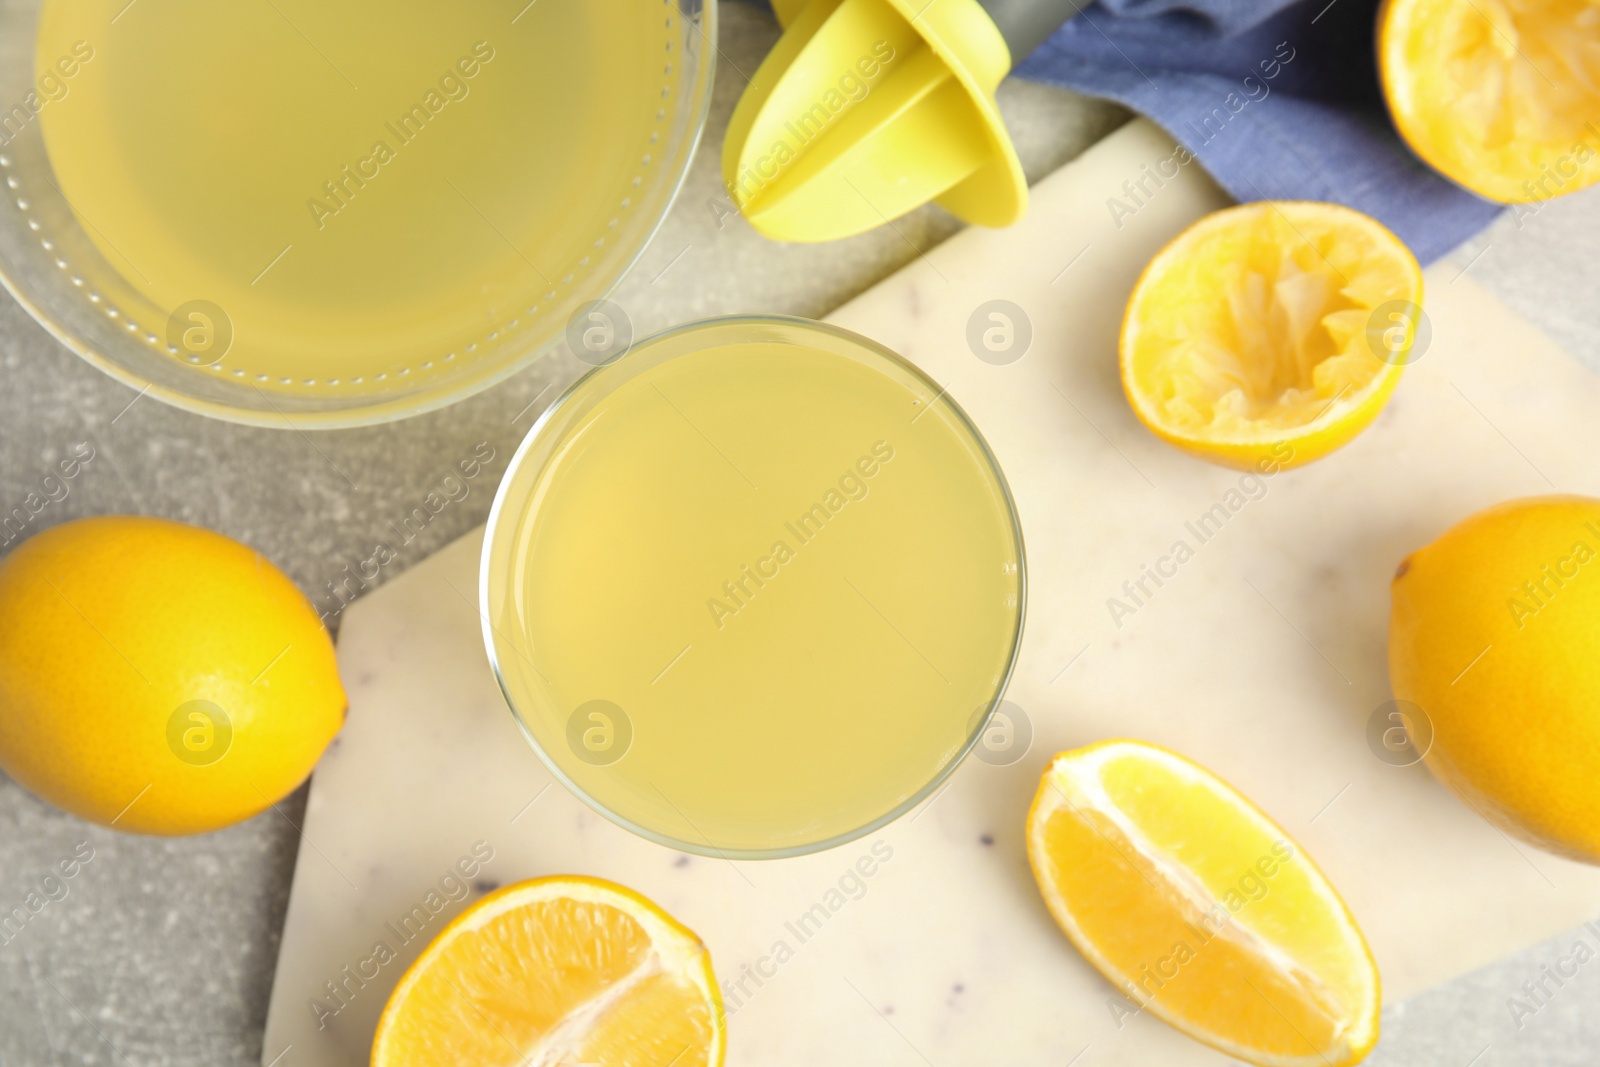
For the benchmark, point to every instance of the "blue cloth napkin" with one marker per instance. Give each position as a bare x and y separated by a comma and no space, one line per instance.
1277,99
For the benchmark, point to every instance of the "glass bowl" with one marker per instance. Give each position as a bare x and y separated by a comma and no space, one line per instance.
753,587
69,266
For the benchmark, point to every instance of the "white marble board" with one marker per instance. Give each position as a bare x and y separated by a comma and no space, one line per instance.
1263,659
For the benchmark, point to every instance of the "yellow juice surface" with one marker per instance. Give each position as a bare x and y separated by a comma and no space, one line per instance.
783,582
365,187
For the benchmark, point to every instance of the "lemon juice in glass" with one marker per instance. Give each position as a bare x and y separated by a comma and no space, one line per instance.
753,588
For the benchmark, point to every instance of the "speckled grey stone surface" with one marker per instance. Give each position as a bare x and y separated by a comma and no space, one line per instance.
162,952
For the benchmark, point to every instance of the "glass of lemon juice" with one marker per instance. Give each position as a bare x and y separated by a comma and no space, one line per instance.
753,588
335,213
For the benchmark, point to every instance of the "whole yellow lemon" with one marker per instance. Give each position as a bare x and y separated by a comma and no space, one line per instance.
157,677
1495,635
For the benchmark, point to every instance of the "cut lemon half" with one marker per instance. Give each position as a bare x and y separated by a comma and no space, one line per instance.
564,970
1269,334
1200,909
1501,96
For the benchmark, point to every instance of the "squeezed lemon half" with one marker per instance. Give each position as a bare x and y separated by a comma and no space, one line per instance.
561,970
1501,96
1269,334
1200,909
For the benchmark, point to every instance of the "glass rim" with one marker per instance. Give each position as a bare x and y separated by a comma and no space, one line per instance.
701,13
497,520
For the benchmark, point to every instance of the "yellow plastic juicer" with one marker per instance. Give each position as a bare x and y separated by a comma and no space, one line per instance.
866,109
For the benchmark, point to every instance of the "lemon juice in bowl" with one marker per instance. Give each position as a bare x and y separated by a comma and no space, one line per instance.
753,588
338,205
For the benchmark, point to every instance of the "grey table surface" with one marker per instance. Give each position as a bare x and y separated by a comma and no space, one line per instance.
163,950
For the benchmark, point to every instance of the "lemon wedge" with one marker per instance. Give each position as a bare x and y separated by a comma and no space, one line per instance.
1200,909
563,970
